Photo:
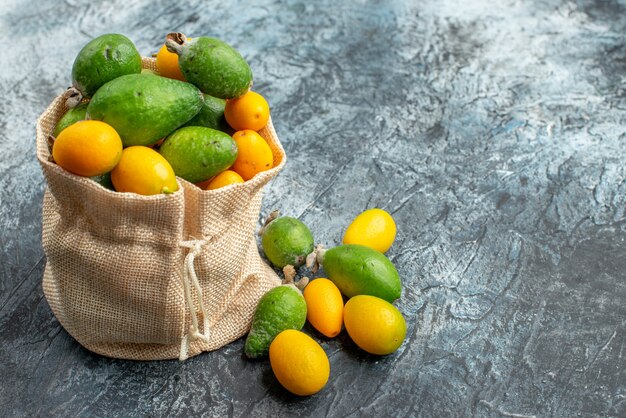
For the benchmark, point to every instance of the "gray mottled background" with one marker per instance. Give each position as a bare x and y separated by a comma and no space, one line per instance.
493,131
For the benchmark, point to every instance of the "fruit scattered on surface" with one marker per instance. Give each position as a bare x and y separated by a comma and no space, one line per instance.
178,122
374,324
287,241
280,309
255,155
187,111
144,171
103,59
223,179
212,65
70,117
299,363
197,153
87,148
144,108
360,270
324,306
249,111
374,228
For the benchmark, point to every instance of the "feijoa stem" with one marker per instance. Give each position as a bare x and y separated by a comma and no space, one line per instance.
316,258
320,254
273,215
72,97
174,42
301,284
290,274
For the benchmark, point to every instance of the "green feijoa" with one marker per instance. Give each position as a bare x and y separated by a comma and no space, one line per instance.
360,270
103,59
104,180
286,241
143,108
215,67
212,115
70,117
197,153
280,309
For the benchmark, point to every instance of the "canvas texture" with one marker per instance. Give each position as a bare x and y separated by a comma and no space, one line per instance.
151,277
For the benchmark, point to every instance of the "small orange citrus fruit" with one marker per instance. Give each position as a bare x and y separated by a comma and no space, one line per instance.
324,306
167,64
374,324
144,171
223,179
374,228
254,155
299,363
87,148
249,111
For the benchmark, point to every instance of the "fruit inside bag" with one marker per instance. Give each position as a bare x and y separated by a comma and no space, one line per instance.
121,268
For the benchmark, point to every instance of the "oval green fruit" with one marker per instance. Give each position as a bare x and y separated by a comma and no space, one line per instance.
143,108
104,180
103,59
211,115
360,270
280,309
212,65
70,117
197,153
286,241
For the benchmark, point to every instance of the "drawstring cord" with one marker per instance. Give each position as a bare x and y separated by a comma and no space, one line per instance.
191,279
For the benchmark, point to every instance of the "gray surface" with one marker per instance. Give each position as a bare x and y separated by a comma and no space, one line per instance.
492,131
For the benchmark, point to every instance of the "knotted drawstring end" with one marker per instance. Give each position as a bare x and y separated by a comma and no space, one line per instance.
191,279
